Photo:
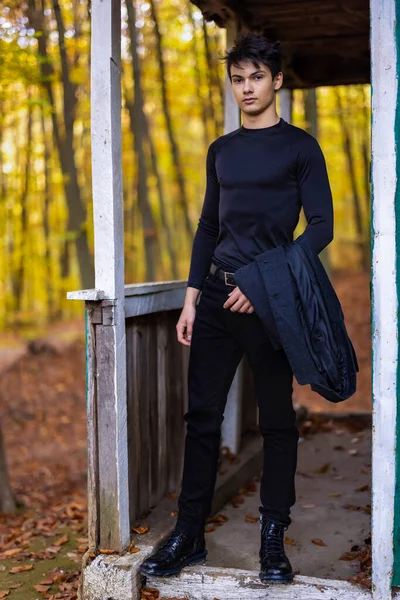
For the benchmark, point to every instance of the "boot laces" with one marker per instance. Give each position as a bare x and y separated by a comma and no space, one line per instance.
173,541
272,538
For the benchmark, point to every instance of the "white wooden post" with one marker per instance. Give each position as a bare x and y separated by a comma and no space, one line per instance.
109,267
384,293
285,104
232,424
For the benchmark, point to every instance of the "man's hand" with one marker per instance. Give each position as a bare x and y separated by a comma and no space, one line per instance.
184,326
237,301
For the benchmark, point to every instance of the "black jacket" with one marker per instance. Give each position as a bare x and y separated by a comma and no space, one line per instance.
294,298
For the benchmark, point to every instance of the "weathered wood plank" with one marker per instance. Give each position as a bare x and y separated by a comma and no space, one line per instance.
384,291
142,289
109,271
204,583
88,295
112,449
175,410
231,109
162,399
157,301
91,429
153,412
285,97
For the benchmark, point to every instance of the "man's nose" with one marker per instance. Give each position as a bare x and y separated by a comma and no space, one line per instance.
248,86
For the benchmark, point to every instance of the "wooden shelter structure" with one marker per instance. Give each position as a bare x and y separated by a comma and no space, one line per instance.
136,388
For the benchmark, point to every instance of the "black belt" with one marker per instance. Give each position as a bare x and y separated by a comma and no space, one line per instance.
221,274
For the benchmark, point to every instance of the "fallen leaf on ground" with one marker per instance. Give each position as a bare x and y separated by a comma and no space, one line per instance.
61,540
11,552
21,569
289,541
42,588
251,519
318,542
363,488
348,556
141,530
4,593
351,507
217,519
323,469
237,500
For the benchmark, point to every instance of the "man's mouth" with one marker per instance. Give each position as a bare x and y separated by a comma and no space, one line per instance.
249,100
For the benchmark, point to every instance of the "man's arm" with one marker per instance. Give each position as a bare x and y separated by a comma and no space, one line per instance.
316,195
206,235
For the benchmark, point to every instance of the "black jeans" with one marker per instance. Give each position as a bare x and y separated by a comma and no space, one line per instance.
219,339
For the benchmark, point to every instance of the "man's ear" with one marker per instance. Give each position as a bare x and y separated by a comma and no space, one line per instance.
278,81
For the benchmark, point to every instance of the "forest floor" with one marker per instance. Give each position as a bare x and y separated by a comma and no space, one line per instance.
42,413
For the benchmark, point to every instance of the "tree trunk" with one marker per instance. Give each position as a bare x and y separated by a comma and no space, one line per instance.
138,129
163,212
218,124
46,224
183,201
204,107
76,215
7,501
353,181
311,119
366,150
20,271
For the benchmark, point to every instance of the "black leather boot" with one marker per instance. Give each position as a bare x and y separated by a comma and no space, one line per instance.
178,551
275,565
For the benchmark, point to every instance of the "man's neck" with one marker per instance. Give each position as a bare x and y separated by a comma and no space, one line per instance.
266,119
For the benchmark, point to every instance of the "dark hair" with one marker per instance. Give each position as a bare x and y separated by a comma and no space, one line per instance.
255,48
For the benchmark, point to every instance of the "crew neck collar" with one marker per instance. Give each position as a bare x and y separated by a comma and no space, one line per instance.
263,130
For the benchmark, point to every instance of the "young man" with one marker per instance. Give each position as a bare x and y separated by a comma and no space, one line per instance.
258,178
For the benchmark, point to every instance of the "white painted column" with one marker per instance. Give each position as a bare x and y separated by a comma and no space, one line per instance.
384,294
109,269
285,104
232,424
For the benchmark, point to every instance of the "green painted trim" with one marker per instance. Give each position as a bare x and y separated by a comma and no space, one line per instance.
396,522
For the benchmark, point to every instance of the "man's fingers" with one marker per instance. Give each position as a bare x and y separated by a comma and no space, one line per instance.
180,330
238,304
245,306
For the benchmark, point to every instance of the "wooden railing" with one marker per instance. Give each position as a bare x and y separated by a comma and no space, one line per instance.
141,470
157,393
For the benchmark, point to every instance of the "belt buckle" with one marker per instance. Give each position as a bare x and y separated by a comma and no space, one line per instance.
226,282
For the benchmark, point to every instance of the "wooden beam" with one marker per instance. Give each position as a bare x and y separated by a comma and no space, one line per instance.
113,472
231,425
285,104
385,327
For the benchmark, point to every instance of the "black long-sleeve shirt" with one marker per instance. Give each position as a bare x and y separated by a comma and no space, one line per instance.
257,182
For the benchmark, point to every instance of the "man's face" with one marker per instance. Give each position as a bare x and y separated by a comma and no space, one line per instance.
253,87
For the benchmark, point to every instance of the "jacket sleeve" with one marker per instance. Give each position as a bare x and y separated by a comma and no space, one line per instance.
315,194
206,235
